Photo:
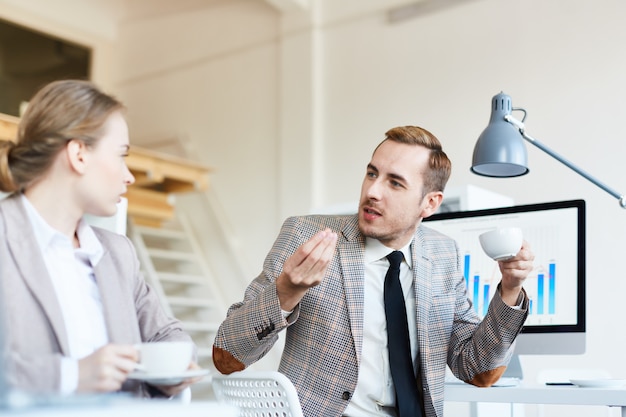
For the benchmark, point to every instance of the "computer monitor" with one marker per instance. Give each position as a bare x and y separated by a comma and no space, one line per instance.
556,286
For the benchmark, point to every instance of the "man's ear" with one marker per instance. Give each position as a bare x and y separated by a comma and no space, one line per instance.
431,203
76,155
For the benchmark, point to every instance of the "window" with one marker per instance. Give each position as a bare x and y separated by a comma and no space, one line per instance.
30,59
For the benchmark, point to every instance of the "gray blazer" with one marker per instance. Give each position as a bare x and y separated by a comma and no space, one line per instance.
33,325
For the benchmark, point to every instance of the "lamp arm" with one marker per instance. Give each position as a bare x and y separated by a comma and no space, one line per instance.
520,126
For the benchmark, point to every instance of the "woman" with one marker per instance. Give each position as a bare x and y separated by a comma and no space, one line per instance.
74,298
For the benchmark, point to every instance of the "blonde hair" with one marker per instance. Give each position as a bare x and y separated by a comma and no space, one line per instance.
439,166
59,112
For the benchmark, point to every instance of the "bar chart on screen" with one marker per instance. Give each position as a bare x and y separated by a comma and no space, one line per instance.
555,288
550,287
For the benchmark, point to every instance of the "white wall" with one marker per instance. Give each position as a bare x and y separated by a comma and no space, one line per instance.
238,83
208,76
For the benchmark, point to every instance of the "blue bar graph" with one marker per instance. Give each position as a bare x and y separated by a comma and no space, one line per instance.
540,284
485,299
480,282
476,291
466,269
551,288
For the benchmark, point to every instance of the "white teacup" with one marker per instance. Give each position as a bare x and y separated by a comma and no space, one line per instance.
502,243
164,357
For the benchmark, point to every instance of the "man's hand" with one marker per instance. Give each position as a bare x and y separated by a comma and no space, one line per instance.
514,273
106,369
305,268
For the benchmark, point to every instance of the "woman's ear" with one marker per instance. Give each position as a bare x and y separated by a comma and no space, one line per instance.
76,155
431,203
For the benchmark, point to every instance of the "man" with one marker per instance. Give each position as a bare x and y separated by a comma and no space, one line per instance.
325,282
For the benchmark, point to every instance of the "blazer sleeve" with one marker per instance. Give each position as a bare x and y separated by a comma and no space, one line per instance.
480,350
154,324
252,325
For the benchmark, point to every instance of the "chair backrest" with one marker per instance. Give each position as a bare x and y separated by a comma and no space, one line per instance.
258,393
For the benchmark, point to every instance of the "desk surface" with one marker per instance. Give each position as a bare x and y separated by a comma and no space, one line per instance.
537,394
148,408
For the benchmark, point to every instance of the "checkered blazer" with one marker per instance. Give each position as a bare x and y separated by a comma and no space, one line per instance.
325,333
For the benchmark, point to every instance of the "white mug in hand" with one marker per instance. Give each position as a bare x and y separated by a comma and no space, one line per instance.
502,243
164,357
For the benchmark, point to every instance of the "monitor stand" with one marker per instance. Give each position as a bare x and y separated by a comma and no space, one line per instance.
514,370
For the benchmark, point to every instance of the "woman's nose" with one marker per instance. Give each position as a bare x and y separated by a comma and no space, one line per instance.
130,178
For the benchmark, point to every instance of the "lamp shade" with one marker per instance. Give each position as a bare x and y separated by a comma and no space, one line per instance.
500,150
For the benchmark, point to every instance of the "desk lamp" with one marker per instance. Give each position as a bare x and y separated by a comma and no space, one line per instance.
500,150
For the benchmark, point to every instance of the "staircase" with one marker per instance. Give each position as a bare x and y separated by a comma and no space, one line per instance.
173,264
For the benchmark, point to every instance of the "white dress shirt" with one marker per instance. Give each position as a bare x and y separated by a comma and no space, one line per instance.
374,394
72,274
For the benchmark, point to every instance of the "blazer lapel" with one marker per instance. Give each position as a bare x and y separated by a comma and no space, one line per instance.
351,258
26,255
422,266
119,320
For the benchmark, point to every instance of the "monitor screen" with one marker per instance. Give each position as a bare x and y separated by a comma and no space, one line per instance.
555,232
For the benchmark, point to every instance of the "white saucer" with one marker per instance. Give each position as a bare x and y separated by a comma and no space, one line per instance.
167,378
598,383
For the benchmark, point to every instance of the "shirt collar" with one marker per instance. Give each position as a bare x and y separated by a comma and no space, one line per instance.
375,251
45,234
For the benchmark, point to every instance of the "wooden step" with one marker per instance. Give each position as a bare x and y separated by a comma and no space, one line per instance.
194,326
149,204
171,255
161,232
8,127
178,278
190,302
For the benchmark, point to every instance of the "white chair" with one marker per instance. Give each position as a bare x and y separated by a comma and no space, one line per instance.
258,393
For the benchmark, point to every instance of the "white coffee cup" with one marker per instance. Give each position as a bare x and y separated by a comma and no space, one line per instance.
164,357
502,243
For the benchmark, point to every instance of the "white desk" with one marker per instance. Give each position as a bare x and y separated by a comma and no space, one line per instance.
147,408
538,394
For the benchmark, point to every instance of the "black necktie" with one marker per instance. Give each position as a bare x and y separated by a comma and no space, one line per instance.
407,395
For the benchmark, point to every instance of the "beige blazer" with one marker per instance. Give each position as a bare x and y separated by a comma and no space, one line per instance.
324,334
34,330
